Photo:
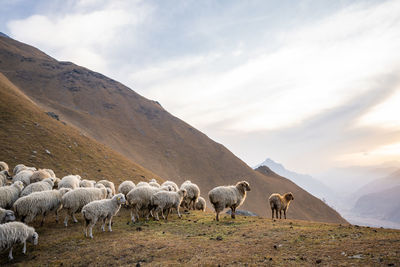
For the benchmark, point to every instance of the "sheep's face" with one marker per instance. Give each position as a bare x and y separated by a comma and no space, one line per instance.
34,239
289,196
120,198
183,192
9,217
245,186
19,184
7,175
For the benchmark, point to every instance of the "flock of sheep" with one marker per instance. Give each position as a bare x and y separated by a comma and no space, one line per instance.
31,193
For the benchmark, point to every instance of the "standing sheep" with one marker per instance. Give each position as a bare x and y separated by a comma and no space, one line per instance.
46,184
74,200
39,175
108,184
9,194
165,200
39,203
23,176
6,216
231,196
101,210
200,204
22,167
12,233
69,181
193,193
279,203
125,187
87,183
172,184
4,177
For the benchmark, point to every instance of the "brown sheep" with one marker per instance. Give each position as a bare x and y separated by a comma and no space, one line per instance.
279,203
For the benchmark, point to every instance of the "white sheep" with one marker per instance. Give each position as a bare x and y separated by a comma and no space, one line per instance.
3,166
172,184
69,181
12,233
200,204
108,184
22,167
4,177
140,184
74,200
9,194
101,210
6,216
125,187
279,203
231,196
44,185
23,176
51,172
165,200
87,183
139,200
39,175
153,182
39,203
193,193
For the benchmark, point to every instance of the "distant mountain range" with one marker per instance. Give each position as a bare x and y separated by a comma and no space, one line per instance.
4,35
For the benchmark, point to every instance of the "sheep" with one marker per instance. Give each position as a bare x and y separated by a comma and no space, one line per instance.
3,166
153,182
39,203
165,200
69,181
125,187
9,194
6,216
56,182
139,199
108,184
4,177
172,184
279,203
193,193
200,204
140,184
101,210
12,233
39,175
51,172
46,184
22,167
231,196
74,200
23,176
87,183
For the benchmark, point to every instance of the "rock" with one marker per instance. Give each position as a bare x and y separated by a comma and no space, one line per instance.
357,256
48,152
243,213
219,238
53,115
318,261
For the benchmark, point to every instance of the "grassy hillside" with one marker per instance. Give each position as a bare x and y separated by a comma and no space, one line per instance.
199,240
26,132
142,130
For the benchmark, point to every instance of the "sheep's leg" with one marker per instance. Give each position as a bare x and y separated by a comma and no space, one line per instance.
276,212
24,248
272,210
10,256
179,214
168,211
217,216
66,220
156,212
73,217
86,223
57,213
109,225
103,225
92,223
233,210
280,214
43,216
284,213
132,217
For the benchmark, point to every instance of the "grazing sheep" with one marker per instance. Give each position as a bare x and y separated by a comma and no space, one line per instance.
101,210
279,203
193,193
125,187
200,204
22,167
23,176
51,172
6,216
139,199
69,181
39,175
39,203
165,200
140,184
4,177
172,184
74,200
108,184
9,194
87,183
12,233
3,166
46,184
56,182
231,196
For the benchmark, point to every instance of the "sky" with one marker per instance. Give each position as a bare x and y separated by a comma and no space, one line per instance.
311,84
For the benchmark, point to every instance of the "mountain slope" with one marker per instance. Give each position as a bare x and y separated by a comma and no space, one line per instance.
139,128
26,132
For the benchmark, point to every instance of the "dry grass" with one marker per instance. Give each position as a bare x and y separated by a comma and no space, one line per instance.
198,240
